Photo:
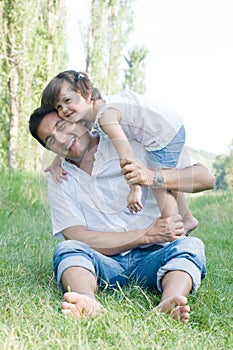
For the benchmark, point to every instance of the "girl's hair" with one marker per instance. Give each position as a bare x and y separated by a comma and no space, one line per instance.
78,81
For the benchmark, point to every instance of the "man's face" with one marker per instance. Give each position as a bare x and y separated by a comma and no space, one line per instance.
68,140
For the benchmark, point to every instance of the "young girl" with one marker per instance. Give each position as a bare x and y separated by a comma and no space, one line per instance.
123,117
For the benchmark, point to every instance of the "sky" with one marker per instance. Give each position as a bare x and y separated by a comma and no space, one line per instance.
190,62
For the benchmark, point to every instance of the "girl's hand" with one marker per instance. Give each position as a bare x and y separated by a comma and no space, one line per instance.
134,199
57,172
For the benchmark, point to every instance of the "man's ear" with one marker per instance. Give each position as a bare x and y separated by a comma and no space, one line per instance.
85,123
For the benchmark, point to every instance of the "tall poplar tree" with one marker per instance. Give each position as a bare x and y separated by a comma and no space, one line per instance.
110,25
31,50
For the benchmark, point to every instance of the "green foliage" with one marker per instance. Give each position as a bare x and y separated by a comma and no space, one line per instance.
135,72
220,172
223,167
30,317
229,169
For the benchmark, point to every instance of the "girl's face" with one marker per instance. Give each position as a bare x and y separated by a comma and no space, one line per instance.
71,105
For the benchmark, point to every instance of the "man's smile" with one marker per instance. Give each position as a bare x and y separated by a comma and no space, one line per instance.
71,144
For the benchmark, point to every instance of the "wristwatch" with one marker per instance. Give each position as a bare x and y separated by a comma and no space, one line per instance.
158,180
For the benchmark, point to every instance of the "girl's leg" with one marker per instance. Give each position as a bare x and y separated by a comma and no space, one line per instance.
166,202
190,222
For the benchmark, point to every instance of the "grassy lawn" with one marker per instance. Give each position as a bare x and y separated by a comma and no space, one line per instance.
30,315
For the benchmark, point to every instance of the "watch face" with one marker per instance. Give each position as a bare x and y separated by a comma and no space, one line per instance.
158,180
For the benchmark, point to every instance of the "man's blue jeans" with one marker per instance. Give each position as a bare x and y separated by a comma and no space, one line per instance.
143,266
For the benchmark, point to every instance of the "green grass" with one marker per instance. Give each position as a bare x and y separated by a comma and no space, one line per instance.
30,315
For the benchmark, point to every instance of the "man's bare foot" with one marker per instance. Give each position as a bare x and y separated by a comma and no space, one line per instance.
80,305
189,224
176,306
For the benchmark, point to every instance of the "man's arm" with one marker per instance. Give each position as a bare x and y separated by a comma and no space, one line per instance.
191,179
111,243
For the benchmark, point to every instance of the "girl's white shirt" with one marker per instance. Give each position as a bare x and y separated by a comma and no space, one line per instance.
143,120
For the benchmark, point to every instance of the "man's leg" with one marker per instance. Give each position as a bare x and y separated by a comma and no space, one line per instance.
175,286
80,300
175,270
77,267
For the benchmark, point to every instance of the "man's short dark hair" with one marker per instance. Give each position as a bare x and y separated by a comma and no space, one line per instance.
36,118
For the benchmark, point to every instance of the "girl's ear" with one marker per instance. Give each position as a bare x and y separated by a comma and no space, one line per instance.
89,98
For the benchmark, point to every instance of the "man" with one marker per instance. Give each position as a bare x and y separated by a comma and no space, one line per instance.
104,243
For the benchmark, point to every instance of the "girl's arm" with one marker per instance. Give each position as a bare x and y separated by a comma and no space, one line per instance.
56,161
110,123
57,172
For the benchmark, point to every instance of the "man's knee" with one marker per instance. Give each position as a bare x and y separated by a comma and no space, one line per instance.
187,254
71,253
70,250
191,246
192,249
70,246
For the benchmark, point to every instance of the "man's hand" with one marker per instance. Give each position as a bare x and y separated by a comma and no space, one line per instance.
165,230
136,173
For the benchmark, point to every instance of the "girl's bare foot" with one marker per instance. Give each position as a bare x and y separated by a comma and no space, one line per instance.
80,305
189,224
176,306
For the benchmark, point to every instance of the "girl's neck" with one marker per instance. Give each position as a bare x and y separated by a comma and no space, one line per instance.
90,116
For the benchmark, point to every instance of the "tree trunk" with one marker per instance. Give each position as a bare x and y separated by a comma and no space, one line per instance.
14,118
